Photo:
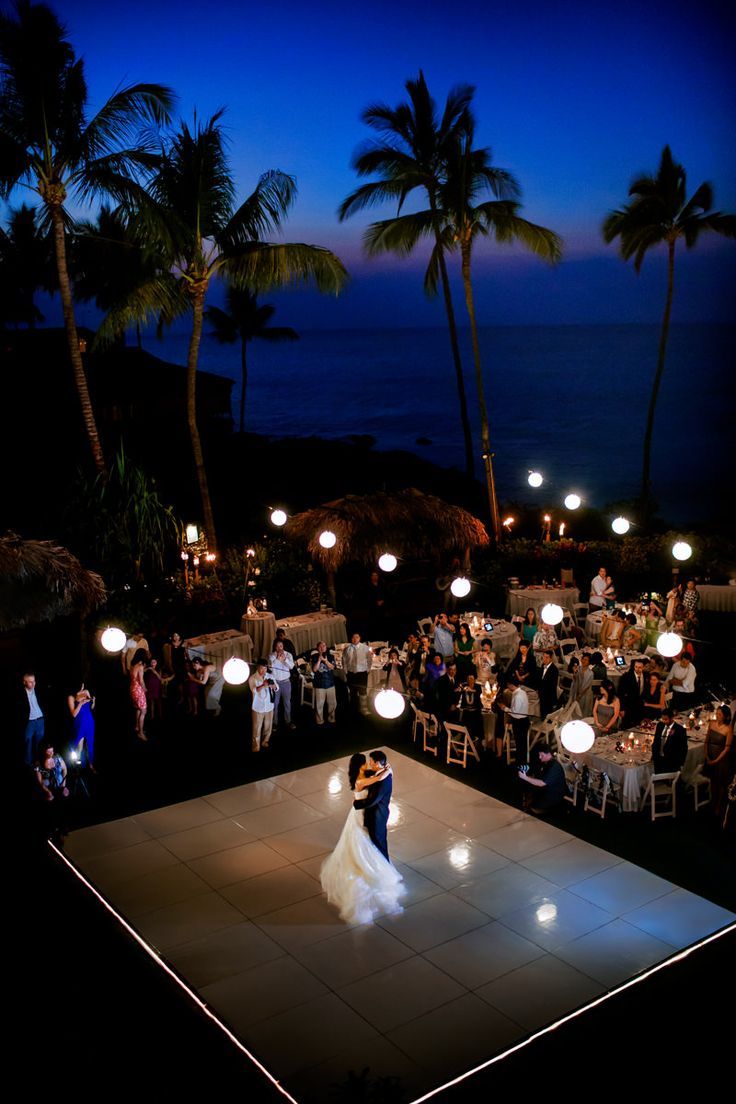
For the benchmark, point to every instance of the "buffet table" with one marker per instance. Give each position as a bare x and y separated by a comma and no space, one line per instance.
217,648
717,599
519,601
261,627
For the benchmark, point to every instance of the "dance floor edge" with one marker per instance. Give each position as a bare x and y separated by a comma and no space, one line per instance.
509,924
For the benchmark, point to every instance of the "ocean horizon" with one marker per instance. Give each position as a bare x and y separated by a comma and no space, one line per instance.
568,400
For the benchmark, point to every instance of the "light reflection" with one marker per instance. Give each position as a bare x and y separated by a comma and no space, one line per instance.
460,856
547,912
395,814
335,784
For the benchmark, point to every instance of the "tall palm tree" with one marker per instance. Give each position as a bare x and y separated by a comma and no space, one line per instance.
49,145
410,155
660,213
188,217
243,321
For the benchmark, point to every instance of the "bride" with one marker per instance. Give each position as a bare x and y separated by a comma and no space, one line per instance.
356,877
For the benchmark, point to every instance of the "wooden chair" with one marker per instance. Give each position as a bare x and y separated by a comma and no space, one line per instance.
568,645
426,626
508,747
694,784
430,731
459,744
661,787
599,791
580,611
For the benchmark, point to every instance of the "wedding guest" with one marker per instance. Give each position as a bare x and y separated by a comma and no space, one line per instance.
138,690
691,601
411,650
606,710
682,680
134,644
32,719
486,664
357,660
674,604
529,626
281,664
633,636
547,684
523,666
718,766
545,638
155,681
464,645
396,672
548,780
518,712
50,772
601,589
436,670
669,747
444,642
653,697
80,706
447,692
598,666
176,664
282,638
581,690
323,669
263,688
421,656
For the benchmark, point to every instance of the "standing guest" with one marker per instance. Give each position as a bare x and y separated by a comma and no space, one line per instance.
323,669
606,710
651,613
396,672
447,692
523,666
138,691
281,663
547,684
486,664
436,670
50,771
633,636
548,780
674,602
718,767
176,664
31,716
518,712
669,747
690,602
411,649
653,697
420,660
631,691
464,645
263,689
357,660
193,686
581,690
80,706
155,681
682,680
529,626
444,642
282,638
545,638
133,645
598,666
601,589
470,706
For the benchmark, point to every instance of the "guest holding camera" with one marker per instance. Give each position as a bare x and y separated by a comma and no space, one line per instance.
323,669
263,688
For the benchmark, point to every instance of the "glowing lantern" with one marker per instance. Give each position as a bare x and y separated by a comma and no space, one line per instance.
235,671
113,640
577,737
389,704
573,501
192,534
620,525
327,539
681,550
669,644
387,562
536,479
278,517
460,587
552,614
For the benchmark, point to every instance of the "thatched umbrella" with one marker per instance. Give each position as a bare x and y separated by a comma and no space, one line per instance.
40,580
407,523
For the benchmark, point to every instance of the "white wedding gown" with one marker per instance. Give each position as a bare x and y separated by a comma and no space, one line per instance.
357,878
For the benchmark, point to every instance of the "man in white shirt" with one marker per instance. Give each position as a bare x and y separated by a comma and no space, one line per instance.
357,660
518,711
281,664
263,688
32,717
682,680
601,589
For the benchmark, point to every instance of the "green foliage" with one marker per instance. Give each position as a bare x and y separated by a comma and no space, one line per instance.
281,572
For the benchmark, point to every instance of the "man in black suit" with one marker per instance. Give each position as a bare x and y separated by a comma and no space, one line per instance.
375,806
630,690
669,748
547,684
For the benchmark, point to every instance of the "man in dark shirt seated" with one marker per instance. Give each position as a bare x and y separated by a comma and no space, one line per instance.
669,748
549,781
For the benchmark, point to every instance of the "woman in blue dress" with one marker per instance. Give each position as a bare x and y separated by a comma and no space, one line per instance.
81,705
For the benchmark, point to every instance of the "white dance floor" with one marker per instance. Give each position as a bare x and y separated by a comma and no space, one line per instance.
509,923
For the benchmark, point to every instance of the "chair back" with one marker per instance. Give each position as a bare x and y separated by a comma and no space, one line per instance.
425,626
661,787
459,744
568,645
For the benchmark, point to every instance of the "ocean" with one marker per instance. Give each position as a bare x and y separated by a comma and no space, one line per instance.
570,401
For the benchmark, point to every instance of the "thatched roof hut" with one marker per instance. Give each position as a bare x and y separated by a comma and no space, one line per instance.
40,580
407,523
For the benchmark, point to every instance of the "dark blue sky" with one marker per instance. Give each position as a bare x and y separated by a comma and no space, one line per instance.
574,98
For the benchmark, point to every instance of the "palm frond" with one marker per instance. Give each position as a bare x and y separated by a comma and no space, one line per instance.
158,298
262,212
372,195
125,113
501,220
262,266
398,235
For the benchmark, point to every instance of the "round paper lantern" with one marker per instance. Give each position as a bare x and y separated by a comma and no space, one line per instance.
536,479
460,587
235,671
669,644
620,525
552,614
113,640
573,501
278,517
389,704
327,539
681,550
577,737
387,562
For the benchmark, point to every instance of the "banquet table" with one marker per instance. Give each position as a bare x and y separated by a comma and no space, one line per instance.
613,672
306,630
504,638
718,599
261,627
594,624
218,647
519,601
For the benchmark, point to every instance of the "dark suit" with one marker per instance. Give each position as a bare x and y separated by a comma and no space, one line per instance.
375,813
631,699
669,751
547,689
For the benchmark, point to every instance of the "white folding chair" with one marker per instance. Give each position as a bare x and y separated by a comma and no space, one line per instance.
573,776
694,784
568,645
459,744
377,645
598,792
543,730
426,626
430,731
415,723
307,690
661,788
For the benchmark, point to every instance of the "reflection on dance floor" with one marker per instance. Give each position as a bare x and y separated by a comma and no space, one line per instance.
509,923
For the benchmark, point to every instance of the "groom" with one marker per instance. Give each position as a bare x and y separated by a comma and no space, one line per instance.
375,806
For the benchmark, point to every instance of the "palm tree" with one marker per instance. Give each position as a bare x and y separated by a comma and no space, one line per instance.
189,220
243,321
411,155
660,214
48,144
24,268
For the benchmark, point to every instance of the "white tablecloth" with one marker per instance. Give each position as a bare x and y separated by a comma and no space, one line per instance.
632,771
504,638
220,646
307,629
261,627
519,601
720,599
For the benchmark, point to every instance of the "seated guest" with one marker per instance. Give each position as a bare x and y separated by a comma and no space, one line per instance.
545,638
486,664
653,697
631,691
682,680
447,692
598,666
548,780
633,636
547,684
396,668
669,748
523,666
435,670
464,645
529,626
606,710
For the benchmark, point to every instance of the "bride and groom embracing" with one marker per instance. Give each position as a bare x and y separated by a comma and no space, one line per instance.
358,877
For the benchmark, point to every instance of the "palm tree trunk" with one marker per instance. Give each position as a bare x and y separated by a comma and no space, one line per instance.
67,304
243,381
646,490
485,430
192,359
455,346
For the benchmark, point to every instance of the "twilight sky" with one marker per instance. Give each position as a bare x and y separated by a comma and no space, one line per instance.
573,97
